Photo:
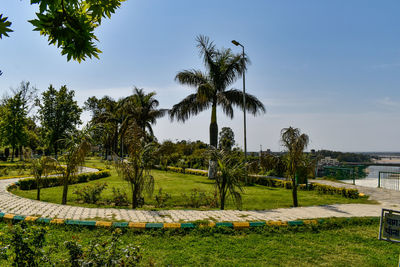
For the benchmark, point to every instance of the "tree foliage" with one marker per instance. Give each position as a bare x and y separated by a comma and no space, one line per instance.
14,117
228,179
223,68
136,170
69,24
226,138
295,142
42,167
142,109
59,115
77,144
4,26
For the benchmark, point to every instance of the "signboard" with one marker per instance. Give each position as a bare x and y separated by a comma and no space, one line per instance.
389,228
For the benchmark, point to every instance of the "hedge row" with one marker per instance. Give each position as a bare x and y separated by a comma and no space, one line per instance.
325,189
15,166
186,171
271,182
30,183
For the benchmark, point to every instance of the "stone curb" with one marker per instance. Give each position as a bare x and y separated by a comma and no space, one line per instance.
7,217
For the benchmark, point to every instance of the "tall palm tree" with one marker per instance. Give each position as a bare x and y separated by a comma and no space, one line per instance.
222,69
141,108
295,142
107,117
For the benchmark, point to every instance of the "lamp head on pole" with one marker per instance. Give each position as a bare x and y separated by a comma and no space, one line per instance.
235,42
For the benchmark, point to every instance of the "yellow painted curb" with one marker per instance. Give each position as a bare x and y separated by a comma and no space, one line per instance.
8,216
310,221
103,224
57,221
276,223
137,225
241,225
172,225
31,218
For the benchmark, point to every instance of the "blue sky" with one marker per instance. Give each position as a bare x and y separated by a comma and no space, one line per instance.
330,68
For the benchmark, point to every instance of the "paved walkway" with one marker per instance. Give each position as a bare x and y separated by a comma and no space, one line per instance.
10,203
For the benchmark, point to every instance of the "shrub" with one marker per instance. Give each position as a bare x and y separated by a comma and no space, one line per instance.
200,198
161,199
90,193
30,183
324,189
119,197
25,246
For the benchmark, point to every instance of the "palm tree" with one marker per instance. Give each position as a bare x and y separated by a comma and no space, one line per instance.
228,179
141,108
295,142
40,167
222,69
78,145
107,117
136,170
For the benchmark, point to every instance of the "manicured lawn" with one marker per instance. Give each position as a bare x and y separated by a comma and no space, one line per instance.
255,197
351,245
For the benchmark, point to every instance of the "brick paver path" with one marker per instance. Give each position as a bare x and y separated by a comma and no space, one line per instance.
10,203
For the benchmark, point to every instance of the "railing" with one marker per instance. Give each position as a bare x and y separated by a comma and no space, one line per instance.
389,180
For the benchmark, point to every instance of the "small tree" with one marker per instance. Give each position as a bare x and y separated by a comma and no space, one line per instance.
226,139
228,180
40,167
295,142
137,170
59,115
77,146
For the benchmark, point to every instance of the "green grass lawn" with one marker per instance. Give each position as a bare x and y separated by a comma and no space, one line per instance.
255,197
351,245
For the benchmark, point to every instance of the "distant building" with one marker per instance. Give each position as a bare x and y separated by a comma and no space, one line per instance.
328,161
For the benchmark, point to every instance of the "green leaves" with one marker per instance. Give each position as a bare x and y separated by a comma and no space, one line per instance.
70,24
4,26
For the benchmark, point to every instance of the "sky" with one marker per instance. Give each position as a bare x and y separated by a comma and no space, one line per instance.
330,68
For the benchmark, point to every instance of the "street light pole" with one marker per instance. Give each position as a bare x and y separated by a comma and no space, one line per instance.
244,104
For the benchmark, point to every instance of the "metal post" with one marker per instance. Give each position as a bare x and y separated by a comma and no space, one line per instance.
244,112
244,107
379,179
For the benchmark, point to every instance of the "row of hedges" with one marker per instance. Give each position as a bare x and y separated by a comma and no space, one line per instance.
30,183
183,170
322,188
15,166
271,182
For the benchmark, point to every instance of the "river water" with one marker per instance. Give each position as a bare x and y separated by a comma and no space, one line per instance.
372,179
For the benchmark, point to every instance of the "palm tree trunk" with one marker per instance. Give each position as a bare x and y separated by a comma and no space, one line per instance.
38,192
12,155
294,192
212,165
134,198
65,191
214,127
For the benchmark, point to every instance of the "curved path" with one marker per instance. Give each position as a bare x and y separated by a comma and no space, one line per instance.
10,203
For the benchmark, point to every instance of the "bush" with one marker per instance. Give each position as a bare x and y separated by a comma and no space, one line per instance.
324,189
199,198
90,193
24,246
161,199
119,197
30,183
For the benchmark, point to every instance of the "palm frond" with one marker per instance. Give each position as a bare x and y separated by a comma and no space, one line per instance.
187,107
192,77
207,51
253,105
